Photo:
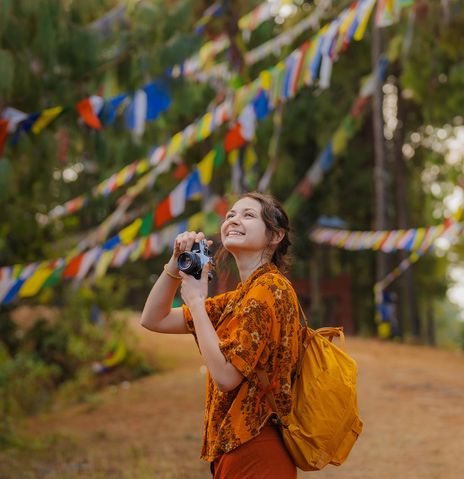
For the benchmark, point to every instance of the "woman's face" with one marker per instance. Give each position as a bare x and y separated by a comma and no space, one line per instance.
243,228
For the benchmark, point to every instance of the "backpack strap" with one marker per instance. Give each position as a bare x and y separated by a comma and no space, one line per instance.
302,316
267,388
330,333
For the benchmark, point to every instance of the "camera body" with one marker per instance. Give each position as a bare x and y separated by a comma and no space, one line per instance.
192,262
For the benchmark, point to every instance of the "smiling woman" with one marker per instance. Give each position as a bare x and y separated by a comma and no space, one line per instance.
253,327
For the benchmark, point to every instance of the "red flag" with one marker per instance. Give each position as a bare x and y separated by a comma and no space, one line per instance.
73,266
3,133
163,212
234,139
85,109
305,188
221,207
180,172
359,106
147,249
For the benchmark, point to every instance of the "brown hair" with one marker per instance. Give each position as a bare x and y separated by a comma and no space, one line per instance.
276,220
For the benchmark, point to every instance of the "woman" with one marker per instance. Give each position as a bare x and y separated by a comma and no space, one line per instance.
252,327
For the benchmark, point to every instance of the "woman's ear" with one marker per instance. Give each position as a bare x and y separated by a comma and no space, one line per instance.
277,237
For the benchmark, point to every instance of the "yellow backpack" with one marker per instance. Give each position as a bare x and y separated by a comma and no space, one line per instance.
324,423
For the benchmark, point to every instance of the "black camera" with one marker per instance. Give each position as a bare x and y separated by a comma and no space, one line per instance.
192,262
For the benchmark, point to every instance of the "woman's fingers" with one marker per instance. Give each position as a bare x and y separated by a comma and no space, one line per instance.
185,241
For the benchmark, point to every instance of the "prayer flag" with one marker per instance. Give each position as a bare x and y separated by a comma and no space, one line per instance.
88,114
158,99
128,234
177,198
45,118
234,138
205,167
163,213
33,285
72,268
3,134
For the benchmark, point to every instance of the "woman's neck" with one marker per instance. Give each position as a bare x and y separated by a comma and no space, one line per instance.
246,264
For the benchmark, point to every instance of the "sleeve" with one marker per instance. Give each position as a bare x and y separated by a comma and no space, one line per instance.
250,329
214,307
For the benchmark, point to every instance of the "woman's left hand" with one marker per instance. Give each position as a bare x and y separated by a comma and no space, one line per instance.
194,291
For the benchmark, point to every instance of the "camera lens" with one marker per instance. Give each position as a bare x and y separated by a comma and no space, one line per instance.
188,262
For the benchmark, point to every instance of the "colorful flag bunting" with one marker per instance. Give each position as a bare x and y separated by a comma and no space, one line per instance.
415,239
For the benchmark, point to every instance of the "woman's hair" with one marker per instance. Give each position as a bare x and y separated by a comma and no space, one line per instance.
276,220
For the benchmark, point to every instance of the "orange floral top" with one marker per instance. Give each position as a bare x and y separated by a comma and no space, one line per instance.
258,328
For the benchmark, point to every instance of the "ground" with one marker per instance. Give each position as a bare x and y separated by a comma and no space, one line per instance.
411,400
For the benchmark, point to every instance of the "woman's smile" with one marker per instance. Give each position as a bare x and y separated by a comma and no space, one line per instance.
235,233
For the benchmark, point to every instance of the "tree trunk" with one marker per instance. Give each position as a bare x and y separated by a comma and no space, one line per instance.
402,215
430,323
380,190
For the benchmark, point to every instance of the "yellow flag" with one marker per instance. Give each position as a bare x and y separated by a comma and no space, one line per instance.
205,167
347,21
420,235
380,239
103,263
142,166
205,128
17,268
138,250
175,144
233,157
458,215
121,176
359,33
339,141
196,222
390,6
32,285
265,80
47,116
250,158
128,234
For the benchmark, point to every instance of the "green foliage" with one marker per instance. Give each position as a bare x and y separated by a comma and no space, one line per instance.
6,72
53,359
434,70
26,383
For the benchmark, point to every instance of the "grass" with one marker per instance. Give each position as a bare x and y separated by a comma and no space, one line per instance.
60,457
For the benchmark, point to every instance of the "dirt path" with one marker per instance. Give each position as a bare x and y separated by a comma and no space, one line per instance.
411,399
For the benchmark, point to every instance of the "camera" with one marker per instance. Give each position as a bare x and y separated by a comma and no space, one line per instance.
192,262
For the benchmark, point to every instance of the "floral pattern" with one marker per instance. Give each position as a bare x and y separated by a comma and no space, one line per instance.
258,328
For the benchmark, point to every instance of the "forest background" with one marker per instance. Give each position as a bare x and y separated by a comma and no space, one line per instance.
56,52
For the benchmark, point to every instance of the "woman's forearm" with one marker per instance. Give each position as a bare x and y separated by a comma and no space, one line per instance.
159,301
224,374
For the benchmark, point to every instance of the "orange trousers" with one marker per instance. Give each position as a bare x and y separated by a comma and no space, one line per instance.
263,457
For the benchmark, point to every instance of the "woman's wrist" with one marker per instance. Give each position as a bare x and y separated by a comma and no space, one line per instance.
197,305
171,269
171,275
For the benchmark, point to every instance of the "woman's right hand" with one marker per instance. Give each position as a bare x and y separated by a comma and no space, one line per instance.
184,242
